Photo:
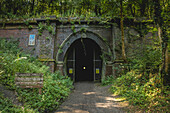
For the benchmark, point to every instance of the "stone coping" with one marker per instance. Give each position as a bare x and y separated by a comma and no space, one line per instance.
68,20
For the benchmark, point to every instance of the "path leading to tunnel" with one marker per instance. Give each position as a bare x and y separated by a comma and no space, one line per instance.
89,97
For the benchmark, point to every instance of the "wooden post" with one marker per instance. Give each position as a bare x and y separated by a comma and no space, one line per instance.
40,91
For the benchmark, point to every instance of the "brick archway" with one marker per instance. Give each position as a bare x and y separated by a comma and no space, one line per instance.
78,35
66,44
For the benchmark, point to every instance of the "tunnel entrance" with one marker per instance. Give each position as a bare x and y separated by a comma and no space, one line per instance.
83,61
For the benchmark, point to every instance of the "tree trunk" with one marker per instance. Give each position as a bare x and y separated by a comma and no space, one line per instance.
122,32
159,34
166,59
160,21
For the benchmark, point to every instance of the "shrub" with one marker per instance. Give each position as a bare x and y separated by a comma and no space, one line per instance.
141,83
146,94
56,87
108,80
6,106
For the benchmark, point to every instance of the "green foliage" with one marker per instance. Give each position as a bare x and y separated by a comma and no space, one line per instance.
108,80
142,92
41,27
141,81
80,8
83,29
30,27
56,87
26,22
73,28
45,26
6,106
12,61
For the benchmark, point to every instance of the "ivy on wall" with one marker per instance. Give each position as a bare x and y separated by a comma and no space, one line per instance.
46,26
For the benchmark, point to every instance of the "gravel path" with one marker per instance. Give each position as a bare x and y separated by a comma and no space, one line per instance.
89,97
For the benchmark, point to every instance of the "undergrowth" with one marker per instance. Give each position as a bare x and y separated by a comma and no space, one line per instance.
147,94
55,86
107,80
6,106
141,82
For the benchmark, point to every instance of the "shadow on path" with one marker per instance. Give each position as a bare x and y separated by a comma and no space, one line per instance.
90,98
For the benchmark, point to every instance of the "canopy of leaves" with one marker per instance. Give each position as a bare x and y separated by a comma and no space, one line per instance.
79,8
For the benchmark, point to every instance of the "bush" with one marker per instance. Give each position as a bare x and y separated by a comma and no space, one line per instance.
56,87
13,61
6,106
141,82
108,80
144,93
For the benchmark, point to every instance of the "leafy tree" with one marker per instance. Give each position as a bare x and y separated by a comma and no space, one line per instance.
122,31
161,22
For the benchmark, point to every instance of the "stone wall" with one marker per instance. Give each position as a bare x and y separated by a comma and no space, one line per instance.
21,35
48,45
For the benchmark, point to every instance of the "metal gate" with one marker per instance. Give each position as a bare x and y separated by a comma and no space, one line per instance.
96,62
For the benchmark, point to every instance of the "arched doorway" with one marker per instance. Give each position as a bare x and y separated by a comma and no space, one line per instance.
83,61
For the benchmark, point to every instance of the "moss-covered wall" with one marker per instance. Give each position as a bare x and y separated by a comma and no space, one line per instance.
50,34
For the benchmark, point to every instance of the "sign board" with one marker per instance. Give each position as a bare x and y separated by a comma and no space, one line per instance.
70,70
29,80
97,71
31,40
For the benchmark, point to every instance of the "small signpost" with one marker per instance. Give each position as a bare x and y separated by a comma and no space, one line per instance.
29,80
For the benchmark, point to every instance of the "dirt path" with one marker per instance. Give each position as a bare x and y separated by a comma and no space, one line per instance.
90,98
10,95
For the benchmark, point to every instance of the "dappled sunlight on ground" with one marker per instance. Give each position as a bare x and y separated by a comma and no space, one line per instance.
106,105
110,102
90,98
115,98
89,93
72,110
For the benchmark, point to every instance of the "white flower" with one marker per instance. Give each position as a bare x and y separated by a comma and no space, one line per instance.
20,59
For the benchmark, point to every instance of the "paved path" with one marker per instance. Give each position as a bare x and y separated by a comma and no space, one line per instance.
90,98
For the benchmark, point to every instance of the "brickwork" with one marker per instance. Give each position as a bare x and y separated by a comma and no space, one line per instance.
22,36
48,46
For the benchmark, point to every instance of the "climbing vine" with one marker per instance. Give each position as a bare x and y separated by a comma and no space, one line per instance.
46,26
73,29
